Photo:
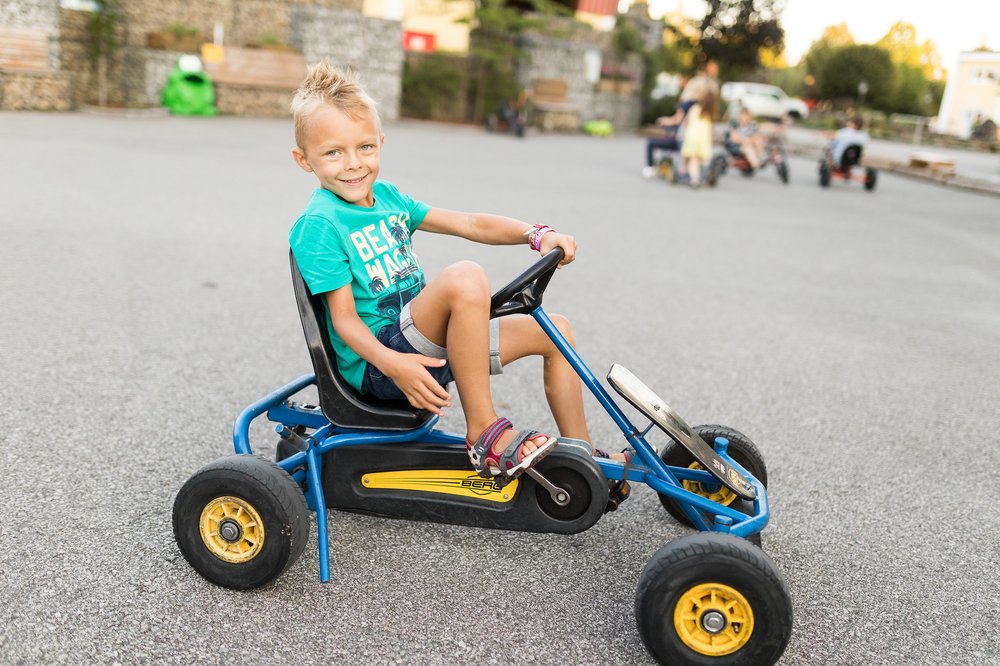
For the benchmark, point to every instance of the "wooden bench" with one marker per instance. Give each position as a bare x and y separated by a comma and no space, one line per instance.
550,111
258,68
24,49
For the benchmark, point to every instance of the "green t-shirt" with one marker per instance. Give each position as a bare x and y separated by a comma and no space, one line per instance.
337,243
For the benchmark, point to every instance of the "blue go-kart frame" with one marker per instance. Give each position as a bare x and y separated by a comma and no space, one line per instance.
709,597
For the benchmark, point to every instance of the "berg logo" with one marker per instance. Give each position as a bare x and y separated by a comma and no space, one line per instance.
480,486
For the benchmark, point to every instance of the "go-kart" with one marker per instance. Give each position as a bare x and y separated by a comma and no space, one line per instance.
713,597
774,153
848,169
508,118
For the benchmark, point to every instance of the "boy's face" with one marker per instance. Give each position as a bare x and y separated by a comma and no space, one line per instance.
343,152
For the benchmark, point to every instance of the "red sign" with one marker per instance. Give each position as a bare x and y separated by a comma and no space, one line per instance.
418,41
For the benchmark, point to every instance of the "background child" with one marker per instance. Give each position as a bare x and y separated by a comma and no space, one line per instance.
851,135
396,335
696,150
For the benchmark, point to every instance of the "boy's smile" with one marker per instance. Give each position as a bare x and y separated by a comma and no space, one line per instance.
343,152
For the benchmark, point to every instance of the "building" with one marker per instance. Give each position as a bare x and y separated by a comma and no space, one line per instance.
973,90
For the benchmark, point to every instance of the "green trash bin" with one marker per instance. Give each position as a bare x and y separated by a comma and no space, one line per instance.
189,93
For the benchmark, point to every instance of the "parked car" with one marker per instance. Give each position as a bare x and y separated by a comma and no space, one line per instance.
763,100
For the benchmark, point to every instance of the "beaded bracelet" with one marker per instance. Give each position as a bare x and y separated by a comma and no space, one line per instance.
535,234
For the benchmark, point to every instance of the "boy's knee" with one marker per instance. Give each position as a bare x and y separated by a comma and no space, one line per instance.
562,323
467,281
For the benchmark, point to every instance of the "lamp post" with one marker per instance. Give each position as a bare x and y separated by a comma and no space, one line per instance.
862,91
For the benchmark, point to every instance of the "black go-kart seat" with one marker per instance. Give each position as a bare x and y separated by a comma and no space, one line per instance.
342,405
850,158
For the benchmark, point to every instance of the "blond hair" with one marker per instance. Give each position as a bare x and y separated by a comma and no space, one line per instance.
327,85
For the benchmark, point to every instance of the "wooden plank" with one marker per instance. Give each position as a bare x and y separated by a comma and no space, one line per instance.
258,67
24,49
549,90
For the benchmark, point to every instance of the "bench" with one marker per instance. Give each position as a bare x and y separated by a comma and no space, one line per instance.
937,164
550,111
27,81
258,68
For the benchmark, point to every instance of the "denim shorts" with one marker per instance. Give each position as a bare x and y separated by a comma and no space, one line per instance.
403,336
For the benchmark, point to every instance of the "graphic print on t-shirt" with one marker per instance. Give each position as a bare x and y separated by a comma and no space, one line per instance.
393,272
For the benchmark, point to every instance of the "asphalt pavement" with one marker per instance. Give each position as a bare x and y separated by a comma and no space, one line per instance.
146,300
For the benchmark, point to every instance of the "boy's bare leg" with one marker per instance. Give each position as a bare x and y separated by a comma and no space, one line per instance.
456,306
520,336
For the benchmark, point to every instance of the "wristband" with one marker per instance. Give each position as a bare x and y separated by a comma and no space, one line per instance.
535,234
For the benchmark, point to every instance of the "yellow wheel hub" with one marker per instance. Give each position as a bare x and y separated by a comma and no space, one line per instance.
713,619
720,494
232,529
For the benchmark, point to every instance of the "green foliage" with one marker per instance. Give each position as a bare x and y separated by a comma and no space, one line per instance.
789,79
182,30
101,29
654,108
846,67
733,33
625,39
432,82
911,92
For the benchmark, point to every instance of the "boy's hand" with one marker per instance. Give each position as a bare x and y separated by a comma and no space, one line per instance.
556,239
409,372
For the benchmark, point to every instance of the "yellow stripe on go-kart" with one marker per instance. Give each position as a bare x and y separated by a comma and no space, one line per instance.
464,483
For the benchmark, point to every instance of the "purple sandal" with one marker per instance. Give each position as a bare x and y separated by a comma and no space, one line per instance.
510,463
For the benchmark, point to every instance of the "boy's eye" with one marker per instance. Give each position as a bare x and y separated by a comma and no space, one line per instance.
368,146
333,153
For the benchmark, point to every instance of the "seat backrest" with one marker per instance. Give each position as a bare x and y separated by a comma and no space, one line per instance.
851,157
342,405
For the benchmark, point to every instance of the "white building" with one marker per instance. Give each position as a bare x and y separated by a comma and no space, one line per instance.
973,90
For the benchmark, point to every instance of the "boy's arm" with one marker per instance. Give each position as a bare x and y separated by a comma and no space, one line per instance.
408,371
494,230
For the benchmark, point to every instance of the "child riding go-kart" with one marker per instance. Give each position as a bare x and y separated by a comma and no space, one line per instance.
712,597
750,149
841,158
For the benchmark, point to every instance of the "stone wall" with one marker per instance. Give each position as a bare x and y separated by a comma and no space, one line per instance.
561,58
373,47
37,91
37,15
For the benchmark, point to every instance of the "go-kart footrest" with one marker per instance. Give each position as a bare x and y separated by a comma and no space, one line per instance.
646,401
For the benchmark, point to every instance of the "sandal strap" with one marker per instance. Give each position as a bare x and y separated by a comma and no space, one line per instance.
482,449
510,456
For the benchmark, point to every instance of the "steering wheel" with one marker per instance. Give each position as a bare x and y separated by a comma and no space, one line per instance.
524,293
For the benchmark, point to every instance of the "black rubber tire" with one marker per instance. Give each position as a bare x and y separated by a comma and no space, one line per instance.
271,492
704,558
825,175
741,449
871,177
782,168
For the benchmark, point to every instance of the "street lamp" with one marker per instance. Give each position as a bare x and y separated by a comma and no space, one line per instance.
862,91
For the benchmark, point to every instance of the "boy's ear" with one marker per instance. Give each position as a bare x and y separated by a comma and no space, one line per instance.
300,159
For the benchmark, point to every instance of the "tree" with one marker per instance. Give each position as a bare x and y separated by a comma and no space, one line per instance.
102,41
904,49
734,32
847,66
496,28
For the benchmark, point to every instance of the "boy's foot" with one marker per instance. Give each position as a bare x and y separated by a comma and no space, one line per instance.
648,171
499,450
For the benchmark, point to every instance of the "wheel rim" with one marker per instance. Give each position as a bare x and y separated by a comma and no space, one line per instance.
719,494
231,529
713,619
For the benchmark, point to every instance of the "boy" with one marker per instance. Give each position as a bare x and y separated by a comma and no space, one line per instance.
852,135
395,335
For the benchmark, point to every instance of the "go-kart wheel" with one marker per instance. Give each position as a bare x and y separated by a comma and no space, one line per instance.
666,170
871,176
825,175
241,521
782,168
741,449
712,598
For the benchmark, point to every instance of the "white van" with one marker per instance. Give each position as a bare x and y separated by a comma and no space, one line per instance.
762,100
